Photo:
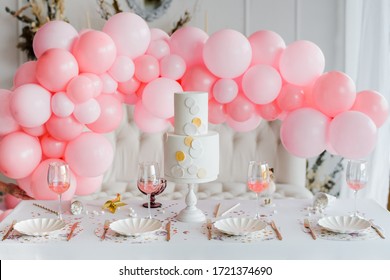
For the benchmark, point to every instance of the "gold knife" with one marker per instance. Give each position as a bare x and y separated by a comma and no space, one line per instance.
209,229
168,229
71,231
11,228
378,231
274,227
106,226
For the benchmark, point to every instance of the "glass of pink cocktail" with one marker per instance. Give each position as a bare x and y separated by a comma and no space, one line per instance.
357,177
58,179
148,180
258,180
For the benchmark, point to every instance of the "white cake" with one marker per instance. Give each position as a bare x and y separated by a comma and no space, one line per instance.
191,152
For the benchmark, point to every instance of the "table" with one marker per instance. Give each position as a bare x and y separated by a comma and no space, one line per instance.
189,241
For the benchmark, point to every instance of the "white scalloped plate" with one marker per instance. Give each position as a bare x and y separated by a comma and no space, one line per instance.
135,226
39,226
344,224
239,226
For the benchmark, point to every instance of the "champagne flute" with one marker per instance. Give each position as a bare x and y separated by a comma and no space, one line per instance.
58,178
148,180
258,180
357,177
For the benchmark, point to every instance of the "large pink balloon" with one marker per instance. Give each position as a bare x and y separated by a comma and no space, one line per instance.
227,53
146,121
240,109
245,126
55,68
301,63
217,112
30,105
35,131
89,155
61,105
95,52
52,148
270,111
88,185
225,90
123,69
290,98
7,122
373,104
334,92
158,97
87,112
26,74
261,84
80,89
146,68
304,132
54,34
172,67
352,134
64,129
198,78
20,154
130,33
188,42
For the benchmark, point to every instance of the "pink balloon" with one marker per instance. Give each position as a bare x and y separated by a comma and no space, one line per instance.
25,184
129,86
217,114
158,49
4,214
87,112
290,98
30,105
52,148
227,53
61,105
352,134
303,132
20,154
111,113
10,201
95,52
130,33
270,111
123,69
245,126
188,42
261,84
26,74
198,78
146,68
35,131
55,68
64,129
40,187
8,123
146,121
172,67
54,34
301,63
373,104
267,46
130,99
96,83
88,185
89,155
158,97
108,83
157,34
225,90
334,92
240,109
80,89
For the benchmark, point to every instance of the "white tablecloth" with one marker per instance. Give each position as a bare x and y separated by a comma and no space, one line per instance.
189,241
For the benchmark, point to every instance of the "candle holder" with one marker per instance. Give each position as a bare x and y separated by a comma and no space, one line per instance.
153,203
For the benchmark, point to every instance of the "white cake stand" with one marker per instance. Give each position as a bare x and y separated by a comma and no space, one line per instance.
191,214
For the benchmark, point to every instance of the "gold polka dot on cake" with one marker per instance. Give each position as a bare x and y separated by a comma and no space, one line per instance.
197,122
188,141
180,156
201,173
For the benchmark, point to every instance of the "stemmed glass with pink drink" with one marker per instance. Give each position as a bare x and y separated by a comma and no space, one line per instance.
258,180
357,177
58,179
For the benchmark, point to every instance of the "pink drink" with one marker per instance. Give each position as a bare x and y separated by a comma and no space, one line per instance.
148,187
59,187
356,185
258,186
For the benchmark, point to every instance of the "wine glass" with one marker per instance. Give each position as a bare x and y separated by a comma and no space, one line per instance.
258,180
58,178
357,177
148,180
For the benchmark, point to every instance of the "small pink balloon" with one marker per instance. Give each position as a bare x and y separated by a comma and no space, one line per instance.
10,201
8,123
290,98
270,111
198,78
87,112
157,34
35,131
240,109
20,154
96,82
158,49
108,83
352,134
146,68
373,104
123,69
217,114
54,34
26,74
129,99
129,87
89,155
64,129
245,126
80,89
225,90
227,53
147,122
88,185
25,184
61,105
172,67
52,148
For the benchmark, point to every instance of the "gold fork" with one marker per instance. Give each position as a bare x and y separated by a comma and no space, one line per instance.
209,228
106,226
307,225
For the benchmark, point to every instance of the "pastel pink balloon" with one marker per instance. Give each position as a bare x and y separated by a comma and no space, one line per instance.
40,187
61,105
304,132
30,105
290,98
130,86
20,154
123,69
188,42
10,201
158,49
158,97
146,68
52,148
225,90
55,68
87,112
8,123
88,185
130,99
172,67
64,129
270,111
267,46
217,114
245,126
80,89
96,82
261,84
25,184
373,104
35,131
227,53
26,74
334,92
198,78
109,85
352,134
148,122
157,34
95,52
54,34
301,63
89,155
130,33
240,109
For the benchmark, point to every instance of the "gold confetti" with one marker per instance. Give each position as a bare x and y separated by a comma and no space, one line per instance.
188,141
197,122
180,156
